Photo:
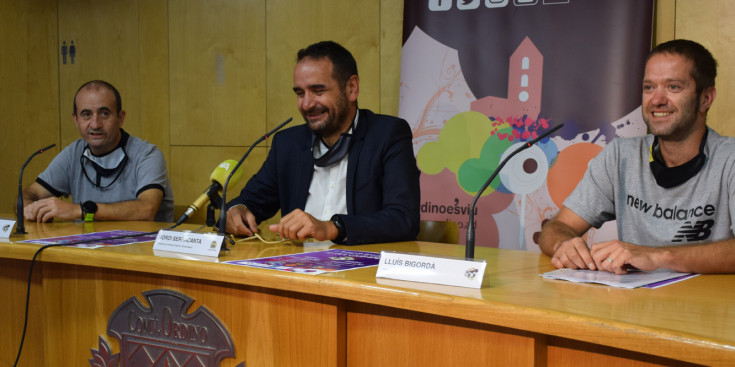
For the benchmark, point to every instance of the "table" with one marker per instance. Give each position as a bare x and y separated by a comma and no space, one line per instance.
351,318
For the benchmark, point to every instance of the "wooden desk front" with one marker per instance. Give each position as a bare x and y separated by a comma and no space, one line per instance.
353,319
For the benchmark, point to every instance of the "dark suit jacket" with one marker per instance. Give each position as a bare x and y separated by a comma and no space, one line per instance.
383,193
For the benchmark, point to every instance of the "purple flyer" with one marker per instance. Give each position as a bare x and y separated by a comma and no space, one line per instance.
314,262
98,239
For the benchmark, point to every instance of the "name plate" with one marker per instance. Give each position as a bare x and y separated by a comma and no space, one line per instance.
431,269
204,244
6,226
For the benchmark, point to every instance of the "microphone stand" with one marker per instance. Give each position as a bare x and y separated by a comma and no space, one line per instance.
215,201
20,227
470,243
222,212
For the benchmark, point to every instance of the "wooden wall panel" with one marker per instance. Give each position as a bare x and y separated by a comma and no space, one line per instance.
154,78
29,93
191,167
566,352
13,287
417,339
293,25
217,71
391,39
664,21
268,327
712,26
106,36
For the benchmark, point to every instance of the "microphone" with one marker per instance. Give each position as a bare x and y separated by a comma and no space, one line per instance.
218,177
222,212
470,244
20,227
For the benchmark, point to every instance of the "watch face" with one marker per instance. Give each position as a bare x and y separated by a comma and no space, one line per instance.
90,206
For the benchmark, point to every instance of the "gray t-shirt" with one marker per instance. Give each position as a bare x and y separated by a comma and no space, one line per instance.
619,185
145,169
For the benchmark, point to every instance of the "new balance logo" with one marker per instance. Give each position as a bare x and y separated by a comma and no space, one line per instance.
700,231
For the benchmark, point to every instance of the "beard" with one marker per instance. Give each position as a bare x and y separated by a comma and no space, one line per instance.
681,127
334,120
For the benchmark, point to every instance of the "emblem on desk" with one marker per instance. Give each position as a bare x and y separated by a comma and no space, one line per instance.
164,334
471,273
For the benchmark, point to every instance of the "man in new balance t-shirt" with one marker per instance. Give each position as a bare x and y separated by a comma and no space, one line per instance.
672,192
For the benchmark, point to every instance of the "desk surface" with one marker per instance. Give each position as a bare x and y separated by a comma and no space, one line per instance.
693,320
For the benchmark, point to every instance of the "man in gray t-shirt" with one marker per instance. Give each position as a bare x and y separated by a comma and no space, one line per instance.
109,174
672,192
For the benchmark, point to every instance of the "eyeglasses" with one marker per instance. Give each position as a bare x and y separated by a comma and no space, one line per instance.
258,236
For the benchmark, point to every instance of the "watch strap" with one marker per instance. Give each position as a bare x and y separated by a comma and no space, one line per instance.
89,208
340,225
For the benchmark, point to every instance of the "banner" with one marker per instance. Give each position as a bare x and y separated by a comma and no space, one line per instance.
480,77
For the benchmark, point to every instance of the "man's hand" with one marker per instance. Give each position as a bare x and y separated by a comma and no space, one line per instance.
240,221
574,254
618,256
299,225
561,239
45,210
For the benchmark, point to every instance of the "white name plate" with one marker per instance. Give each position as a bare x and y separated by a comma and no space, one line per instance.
6,226
204,244
431,269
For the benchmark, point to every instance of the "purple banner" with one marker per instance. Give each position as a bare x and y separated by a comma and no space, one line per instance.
480,77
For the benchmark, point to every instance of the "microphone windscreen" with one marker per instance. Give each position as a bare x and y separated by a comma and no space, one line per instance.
223,170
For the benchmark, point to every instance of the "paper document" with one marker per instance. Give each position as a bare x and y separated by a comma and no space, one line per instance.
316,262
103,239
635,279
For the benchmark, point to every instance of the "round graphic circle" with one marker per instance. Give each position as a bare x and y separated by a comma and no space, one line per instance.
526,171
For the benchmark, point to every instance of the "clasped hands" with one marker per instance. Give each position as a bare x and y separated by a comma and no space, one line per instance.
613,256
297,225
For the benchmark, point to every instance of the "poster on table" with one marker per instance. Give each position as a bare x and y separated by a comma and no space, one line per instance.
481,77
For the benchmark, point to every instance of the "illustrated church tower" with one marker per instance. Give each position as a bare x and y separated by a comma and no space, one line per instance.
525,74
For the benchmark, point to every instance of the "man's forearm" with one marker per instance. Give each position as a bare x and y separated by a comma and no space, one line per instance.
144,207
553,234
712,258
125,210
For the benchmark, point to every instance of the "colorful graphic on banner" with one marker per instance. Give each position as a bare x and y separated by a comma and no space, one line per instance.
479,78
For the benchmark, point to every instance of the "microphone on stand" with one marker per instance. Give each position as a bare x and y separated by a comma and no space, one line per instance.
218,177
470,244
222,212
20,227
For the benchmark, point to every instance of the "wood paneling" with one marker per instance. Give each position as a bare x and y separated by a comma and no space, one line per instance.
154,76
268,327
30,95
292,26
565,352
217,70
191,167
712,26
13,287
282,318
664,21
391,39
106,37
380,336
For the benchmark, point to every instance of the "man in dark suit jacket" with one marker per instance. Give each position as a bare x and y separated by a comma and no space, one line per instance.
346,175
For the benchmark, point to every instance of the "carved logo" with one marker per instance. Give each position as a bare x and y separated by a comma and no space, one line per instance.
164,334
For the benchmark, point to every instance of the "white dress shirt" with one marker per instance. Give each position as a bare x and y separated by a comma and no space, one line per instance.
328,190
